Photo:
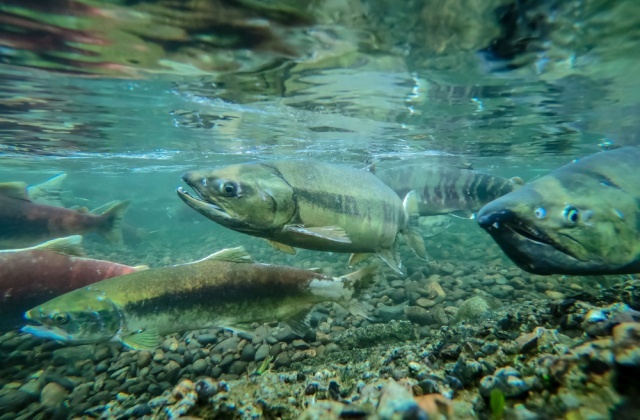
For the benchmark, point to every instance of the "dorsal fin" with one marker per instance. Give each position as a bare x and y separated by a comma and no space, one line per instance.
237,254
14,190
70,245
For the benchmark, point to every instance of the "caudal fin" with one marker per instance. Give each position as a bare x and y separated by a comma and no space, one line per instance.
111,226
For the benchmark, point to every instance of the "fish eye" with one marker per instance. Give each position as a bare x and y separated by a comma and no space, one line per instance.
571,214
540,213
204,182
228,188
60,317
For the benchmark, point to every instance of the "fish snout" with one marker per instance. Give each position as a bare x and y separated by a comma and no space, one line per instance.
492,219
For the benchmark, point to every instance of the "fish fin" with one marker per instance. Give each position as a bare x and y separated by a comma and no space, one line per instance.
362,278
282,247
516,180
142,340
463,214
415,241
237,254
48,192
14,190
141,267
410,203
330,233
70,245
81,209
428,231
356,308
357,258
112,216
299,321
392,258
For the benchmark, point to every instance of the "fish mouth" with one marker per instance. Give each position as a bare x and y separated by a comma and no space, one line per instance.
202,205
52,333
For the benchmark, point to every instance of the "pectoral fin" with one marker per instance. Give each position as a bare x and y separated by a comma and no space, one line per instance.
415,242
14,190
237,254
329,233
392,258
357,258
142,340
299,321
282,247
463,214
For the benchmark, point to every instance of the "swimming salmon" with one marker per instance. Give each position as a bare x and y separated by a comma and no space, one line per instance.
583,218
34,275
445,189
225,289
25,223
312,205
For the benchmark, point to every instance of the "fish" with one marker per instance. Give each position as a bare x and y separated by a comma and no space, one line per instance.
226,289
25,223
33,275
445,189
312,205
582,218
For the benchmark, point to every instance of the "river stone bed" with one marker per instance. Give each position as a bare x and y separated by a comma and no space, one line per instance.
437,342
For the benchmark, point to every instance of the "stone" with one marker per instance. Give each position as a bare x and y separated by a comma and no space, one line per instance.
286,335
69,355
389,313
52,395
419,315
248,353
626,344
199,366
144,359
228,345
14,400
205,339
300,344
239,367
282,360
426,303
261,352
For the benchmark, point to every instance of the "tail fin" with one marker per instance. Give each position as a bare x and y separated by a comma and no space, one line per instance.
111,227
70,245
362,278
48,192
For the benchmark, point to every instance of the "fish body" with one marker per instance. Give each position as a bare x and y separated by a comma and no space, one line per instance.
311,205
225,289
583,218
34,275
443,189
24,223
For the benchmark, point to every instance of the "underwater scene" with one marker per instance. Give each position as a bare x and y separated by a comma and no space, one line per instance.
363,209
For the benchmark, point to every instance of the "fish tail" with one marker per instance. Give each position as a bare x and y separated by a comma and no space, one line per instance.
111,226
362,279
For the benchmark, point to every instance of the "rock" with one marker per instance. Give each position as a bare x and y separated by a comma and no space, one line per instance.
170,344
14,400
239,367
52,395
554,295
626,344
70,355
389,313
474,309
397,401
261,353
506,379
205,339
426,303
282,360
527,342
199,366
248,353
33,388
101,352
286,335
419,315
226,346
451,352
144,359
300,344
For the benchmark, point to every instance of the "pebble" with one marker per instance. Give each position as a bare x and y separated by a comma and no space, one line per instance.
144,359
52,394
419,315
199,366
426,303
554,295
248,352
261,352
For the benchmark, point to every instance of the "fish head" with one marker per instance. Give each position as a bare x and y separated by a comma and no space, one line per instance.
82,316
251,198
561,226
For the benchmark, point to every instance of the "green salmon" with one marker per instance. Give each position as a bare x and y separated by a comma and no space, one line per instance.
225,289
444,189
312,205
583,218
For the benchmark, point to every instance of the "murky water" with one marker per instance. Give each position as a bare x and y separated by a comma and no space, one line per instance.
125,96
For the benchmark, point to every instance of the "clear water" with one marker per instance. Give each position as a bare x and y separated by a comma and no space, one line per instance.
124,96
